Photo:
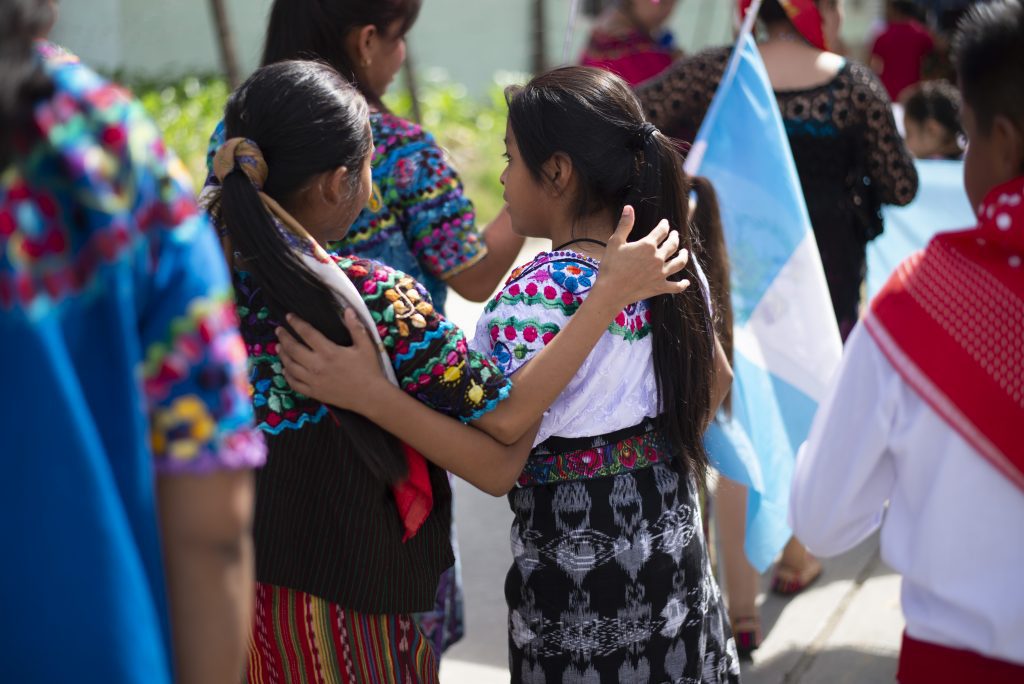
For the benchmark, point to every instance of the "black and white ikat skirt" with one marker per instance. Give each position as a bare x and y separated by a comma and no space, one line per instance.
612,584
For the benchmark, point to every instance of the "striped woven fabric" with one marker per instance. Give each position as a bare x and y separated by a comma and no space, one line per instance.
298,638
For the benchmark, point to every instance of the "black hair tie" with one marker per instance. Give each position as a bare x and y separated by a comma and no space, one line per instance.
644,133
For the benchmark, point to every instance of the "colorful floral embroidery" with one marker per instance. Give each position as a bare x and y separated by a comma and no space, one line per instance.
515,340
601,460
91,136
431,358
103,250
614,387
557,281
574,277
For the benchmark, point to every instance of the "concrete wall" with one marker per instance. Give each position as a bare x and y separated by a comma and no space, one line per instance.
469,39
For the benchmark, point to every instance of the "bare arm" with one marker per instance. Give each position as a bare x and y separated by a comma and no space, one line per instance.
630,272
722,382
480,280
473,455
539,382
205,524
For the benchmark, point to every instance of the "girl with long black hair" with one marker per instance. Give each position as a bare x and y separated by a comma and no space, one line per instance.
351,525
611,581
418,219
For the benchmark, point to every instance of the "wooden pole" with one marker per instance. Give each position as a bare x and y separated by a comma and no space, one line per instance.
226,43
539,61
412,84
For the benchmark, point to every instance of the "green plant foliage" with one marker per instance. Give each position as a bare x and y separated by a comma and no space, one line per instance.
186,112
471,130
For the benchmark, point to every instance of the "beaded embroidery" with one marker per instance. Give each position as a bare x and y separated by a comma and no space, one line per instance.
430,355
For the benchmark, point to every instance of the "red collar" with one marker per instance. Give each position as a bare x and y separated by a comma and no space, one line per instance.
951,321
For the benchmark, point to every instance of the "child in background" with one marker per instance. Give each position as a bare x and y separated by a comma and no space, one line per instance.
929,402
898,54
931,118
628,39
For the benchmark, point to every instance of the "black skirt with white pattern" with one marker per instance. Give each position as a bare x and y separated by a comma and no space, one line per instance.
612,584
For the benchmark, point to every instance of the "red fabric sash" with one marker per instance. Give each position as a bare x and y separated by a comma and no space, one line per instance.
951,321
922,662
804,16
414,497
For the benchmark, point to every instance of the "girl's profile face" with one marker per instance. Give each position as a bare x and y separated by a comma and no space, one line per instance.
387,54
526,199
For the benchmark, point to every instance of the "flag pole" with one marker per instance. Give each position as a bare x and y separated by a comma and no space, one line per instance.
749,19
691,166
570,29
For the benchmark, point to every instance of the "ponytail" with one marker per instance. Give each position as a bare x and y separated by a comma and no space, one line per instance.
681,340
329,130
287,286
714,259
23,81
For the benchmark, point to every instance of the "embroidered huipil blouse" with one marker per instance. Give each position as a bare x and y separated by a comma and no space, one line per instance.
123,363
615,387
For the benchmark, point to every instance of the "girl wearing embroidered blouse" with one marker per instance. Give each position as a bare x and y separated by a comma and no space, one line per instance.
418,219
351,526
611,581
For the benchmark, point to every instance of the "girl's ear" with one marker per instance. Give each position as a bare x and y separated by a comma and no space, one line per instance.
334,186
558,172
362,43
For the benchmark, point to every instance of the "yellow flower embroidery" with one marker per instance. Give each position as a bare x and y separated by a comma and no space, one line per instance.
476,392
452,374
185,412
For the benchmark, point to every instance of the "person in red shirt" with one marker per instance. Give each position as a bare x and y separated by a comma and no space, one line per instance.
901,48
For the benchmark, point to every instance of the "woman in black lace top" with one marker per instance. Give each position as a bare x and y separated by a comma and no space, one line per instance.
848,152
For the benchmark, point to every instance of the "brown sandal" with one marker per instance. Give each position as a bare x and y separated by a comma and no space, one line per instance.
788,582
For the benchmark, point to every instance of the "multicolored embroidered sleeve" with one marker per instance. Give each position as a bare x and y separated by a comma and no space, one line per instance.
194,368
430,355
418,198
536,303
100,211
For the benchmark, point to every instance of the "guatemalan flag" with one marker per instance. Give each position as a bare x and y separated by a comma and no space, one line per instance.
787,344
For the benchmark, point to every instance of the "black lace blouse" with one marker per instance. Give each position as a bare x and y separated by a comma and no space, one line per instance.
848,153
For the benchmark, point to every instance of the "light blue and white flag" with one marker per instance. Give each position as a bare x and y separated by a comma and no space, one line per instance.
941,204
787,344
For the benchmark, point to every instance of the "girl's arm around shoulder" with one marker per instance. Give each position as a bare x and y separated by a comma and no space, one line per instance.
430,355
630,272
448,443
